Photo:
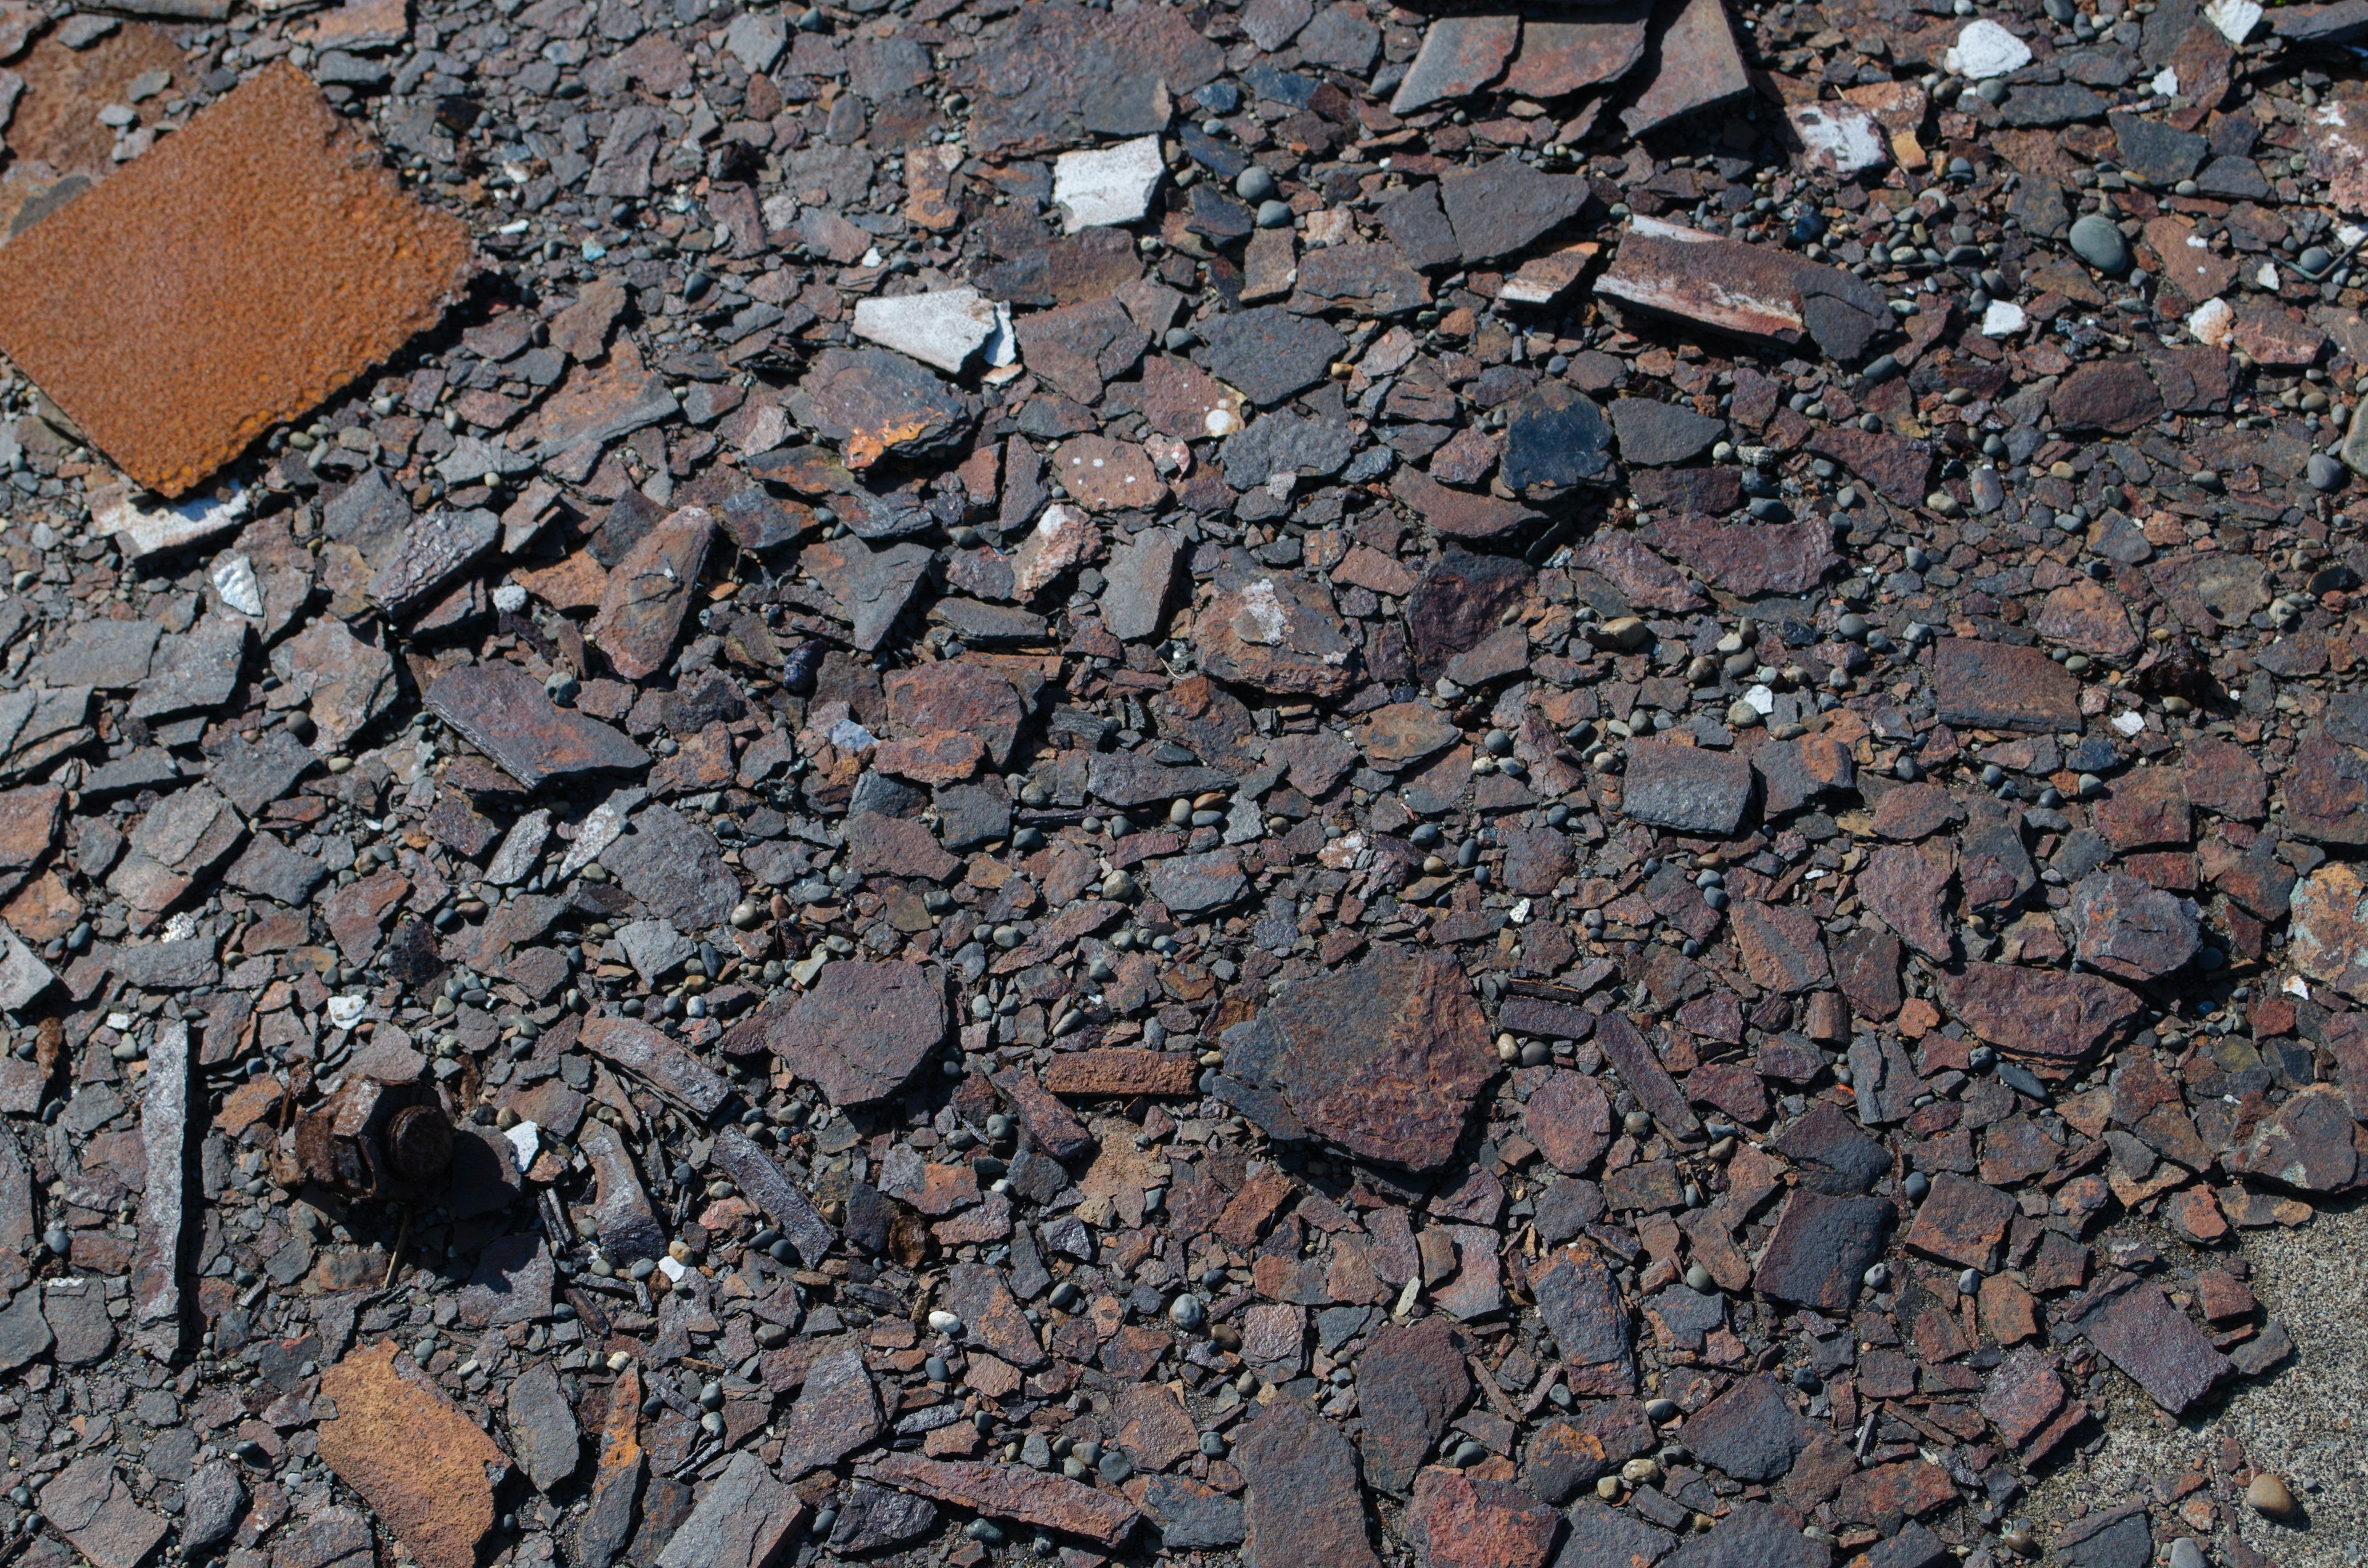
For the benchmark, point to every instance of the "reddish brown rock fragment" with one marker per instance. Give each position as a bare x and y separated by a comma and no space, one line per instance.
1908,888
1122,1072
2036,1012
1961,1222
1012,1492
1997,686
1410,1383
2158,1345
425,1468
1569,1118
2085,616
863,1029
650,591
1458,1521
1781,947
1385,1058
1459,513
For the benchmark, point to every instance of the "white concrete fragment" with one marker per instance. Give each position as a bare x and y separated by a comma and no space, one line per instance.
235,581
145,531
1111,186
2212,322
1839,137
2166,83
2003,319
2235,18
526,1141
344,1012
1986,50
509,598
944,328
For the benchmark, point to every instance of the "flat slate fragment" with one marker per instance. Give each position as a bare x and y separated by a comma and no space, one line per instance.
1688,789
1384,1058
1303,1504
2160,1347
863,1031
2036,1012
1009,1492
1271,353
503,711
1997,686
1822,1246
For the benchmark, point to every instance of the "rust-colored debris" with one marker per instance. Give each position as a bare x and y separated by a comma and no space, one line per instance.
233,278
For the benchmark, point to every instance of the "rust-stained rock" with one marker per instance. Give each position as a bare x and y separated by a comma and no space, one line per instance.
1559,56
1277,632
1303,1504
650,591
2325,791
2036,1012
1122,1072
2132,930
1010,1492
1961,1222
1568,1117
1459,55
955,698
1457,1521
1906,887
1754,558
1781,946
2086,617
863,1029
2330,929
1745,290
1997,686
425,1468
1384,1059
658,1060
1459,513
607,1519
874,405
2310,1142
2022,1395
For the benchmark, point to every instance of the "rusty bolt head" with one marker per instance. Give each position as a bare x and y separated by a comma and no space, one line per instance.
374,1140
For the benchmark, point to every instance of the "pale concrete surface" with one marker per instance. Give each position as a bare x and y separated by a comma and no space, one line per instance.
2307,1421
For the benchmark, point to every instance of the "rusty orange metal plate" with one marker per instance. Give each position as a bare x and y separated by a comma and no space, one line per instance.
232,279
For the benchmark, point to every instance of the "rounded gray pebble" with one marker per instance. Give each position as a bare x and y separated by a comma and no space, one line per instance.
2326,473
2098,242
1254,183
1273,215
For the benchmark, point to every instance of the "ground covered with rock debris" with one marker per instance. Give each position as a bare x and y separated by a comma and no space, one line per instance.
961,781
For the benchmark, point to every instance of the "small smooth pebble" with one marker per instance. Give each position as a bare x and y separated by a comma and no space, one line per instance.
2098,241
